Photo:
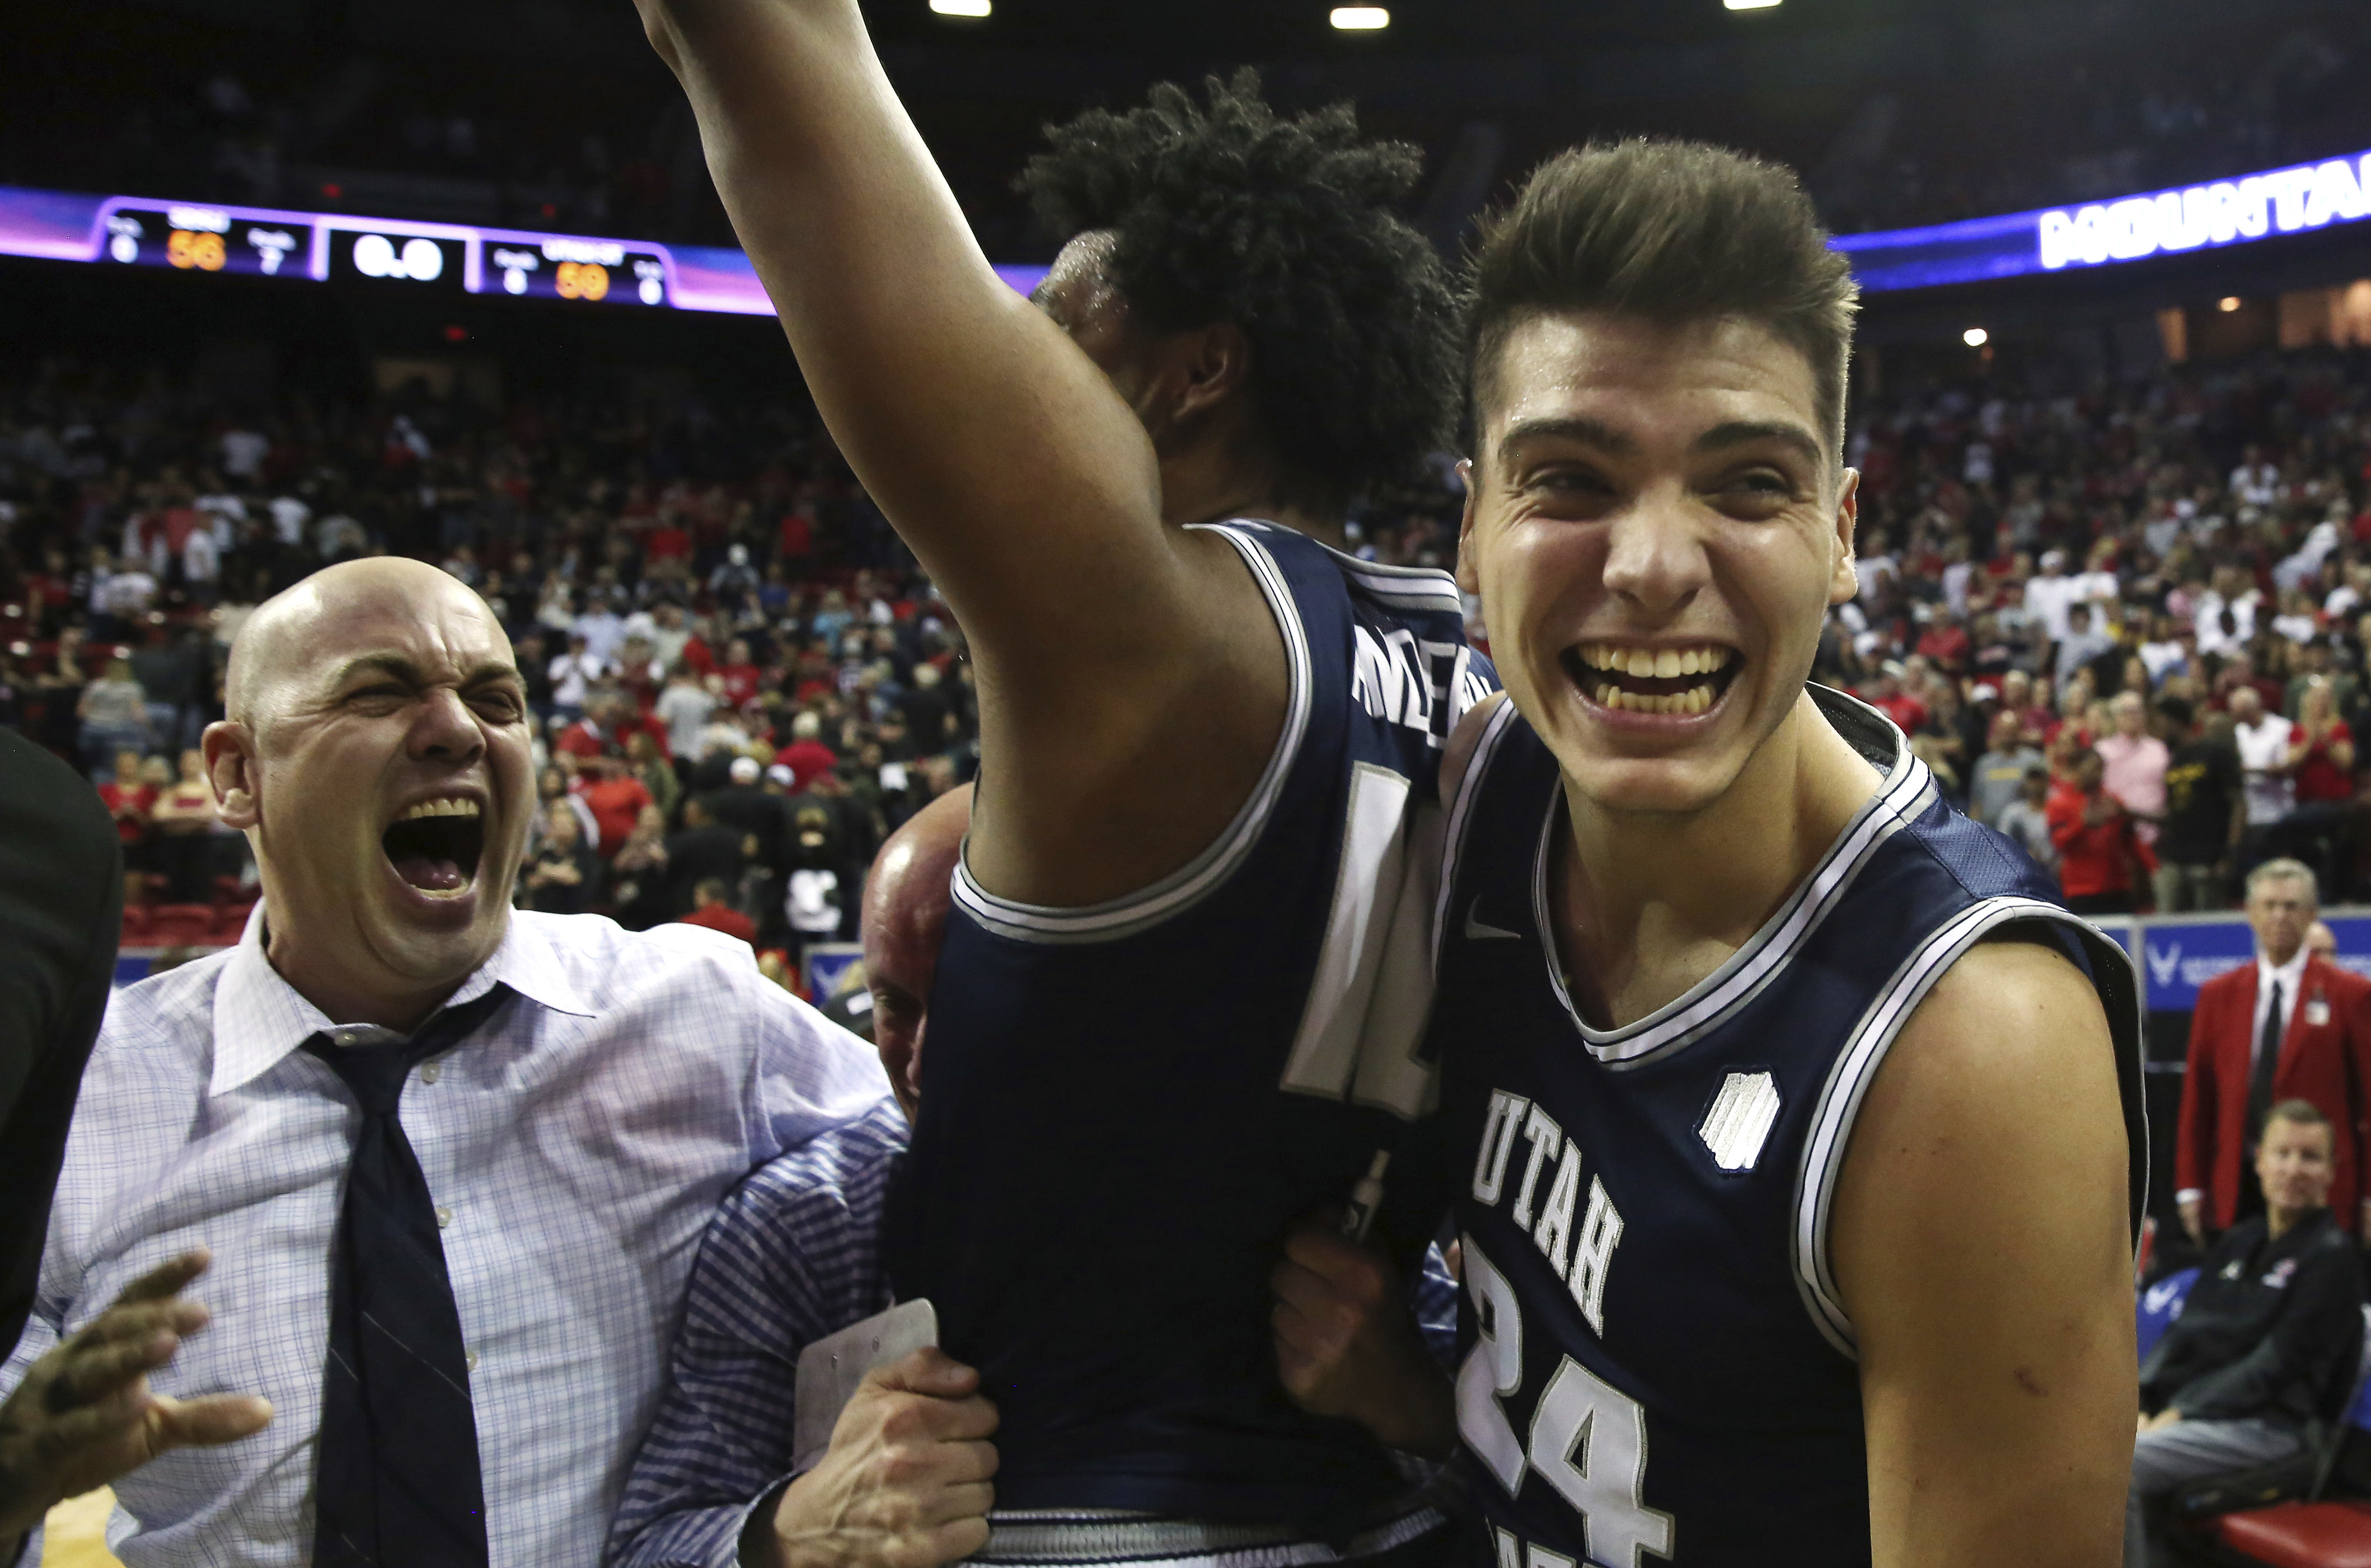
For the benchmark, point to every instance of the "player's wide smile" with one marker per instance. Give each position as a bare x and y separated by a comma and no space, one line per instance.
1663,686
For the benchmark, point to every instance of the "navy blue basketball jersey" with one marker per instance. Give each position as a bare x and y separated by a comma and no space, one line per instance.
1657,1367
1125,1107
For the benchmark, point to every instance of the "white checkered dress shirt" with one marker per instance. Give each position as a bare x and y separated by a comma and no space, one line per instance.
579,1143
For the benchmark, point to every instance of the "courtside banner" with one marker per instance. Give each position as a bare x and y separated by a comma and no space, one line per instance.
2182,953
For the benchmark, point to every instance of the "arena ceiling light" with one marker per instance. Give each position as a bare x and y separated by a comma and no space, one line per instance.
1975,336
1749,4
1360,18
2227,303
961,7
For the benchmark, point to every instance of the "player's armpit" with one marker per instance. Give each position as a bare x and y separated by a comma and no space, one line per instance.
1119,658
1980,1245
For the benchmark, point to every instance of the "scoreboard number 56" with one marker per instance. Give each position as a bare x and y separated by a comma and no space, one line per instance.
1588,1438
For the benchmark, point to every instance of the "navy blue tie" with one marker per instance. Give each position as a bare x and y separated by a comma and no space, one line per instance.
397,1484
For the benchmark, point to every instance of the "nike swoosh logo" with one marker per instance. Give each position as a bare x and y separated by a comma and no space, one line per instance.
1477,930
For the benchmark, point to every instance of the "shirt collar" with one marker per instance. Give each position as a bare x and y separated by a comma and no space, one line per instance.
260,1018
2288,974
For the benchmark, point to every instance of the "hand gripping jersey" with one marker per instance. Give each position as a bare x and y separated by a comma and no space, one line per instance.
1657,1366
1124,1107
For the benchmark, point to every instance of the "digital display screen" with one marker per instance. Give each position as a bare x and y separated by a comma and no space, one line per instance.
395,256
195,238
598,272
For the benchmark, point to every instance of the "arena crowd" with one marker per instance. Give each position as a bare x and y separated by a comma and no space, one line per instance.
2123,620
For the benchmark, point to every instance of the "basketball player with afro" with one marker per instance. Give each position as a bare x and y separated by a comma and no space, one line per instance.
1209,748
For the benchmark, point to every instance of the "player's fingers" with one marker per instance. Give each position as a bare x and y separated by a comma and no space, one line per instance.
964,1500
135,1324
166,1279
961,1420
1347,1267
928,1370
92,1372
204,1423
955,1539
969,1460
1303,1287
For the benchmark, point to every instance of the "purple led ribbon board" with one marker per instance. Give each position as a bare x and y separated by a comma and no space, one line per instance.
466,259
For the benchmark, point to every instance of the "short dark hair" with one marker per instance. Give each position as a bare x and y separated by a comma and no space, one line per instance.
2175,711
1673,231
2304,1113
1225,211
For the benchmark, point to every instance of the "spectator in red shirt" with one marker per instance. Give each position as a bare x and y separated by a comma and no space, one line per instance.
806,756
740,677
2093,834
1886,695
615,799
1945,643
710,909
2321,752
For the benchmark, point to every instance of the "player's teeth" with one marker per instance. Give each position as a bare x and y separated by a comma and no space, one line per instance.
1667,664
1690,662
442,808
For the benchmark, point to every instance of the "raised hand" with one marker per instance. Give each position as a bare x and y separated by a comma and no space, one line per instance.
85,1415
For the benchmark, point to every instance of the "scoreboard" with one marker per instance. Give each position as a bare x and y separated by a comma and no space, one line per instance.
389,255
419,257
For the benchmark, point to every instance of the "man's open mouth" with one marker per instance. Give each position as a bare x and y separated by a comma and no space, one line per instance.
1681,681
435,845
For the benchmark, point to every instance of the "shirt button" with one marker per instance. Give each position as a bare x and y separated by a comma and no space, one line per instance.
444,1217
470,1359
430,1073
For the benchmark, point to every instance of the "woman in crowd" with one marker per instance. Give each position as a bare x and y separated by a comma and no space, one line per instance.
114,714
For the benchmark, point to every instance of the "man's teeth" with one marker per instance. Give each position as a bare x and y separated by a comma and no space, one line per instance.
441,808
1695,699
1650,663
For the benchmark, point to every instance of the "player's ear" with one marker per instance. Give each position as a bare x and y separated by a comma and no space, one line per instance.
1468,577
1215,364
1843,582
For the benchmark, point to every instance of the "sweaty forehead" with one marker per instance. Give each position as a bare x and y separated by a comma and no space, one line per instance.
1655,381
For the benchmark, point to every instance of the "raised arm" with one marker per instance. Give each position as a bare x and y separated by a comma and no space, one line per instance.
1002,455
1982,1248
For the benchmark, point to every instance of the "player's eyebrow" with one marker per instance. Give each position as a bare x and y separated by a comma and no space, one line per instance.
1568,427
1743,433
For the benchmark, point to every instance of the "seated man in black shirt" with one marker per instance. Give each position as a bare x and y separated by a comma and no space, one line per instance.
563,877
2277,1316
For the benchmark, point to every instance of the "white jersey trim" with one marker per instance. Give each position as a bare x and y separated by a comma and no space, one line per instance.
1864,1051
1425,587
1460,813
1203,875
1705,1006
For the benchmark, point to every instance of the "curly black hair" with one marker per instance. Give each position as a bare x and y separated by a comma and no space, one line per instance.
1286,229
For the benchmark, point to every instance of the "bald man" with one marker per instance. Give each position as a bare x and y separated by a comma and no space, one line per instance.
452,1160
905,903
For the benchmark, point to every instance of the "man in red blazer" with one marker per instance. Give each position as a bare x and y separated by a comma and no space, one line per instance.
2323,1030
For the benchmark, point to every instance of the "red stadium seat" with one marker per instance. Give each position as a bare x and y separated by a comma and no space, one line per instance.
180,924
2300,1535
2317,1531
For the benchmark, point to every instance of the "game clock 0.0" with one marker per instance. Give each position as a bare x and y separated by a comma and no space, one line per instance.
392,256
